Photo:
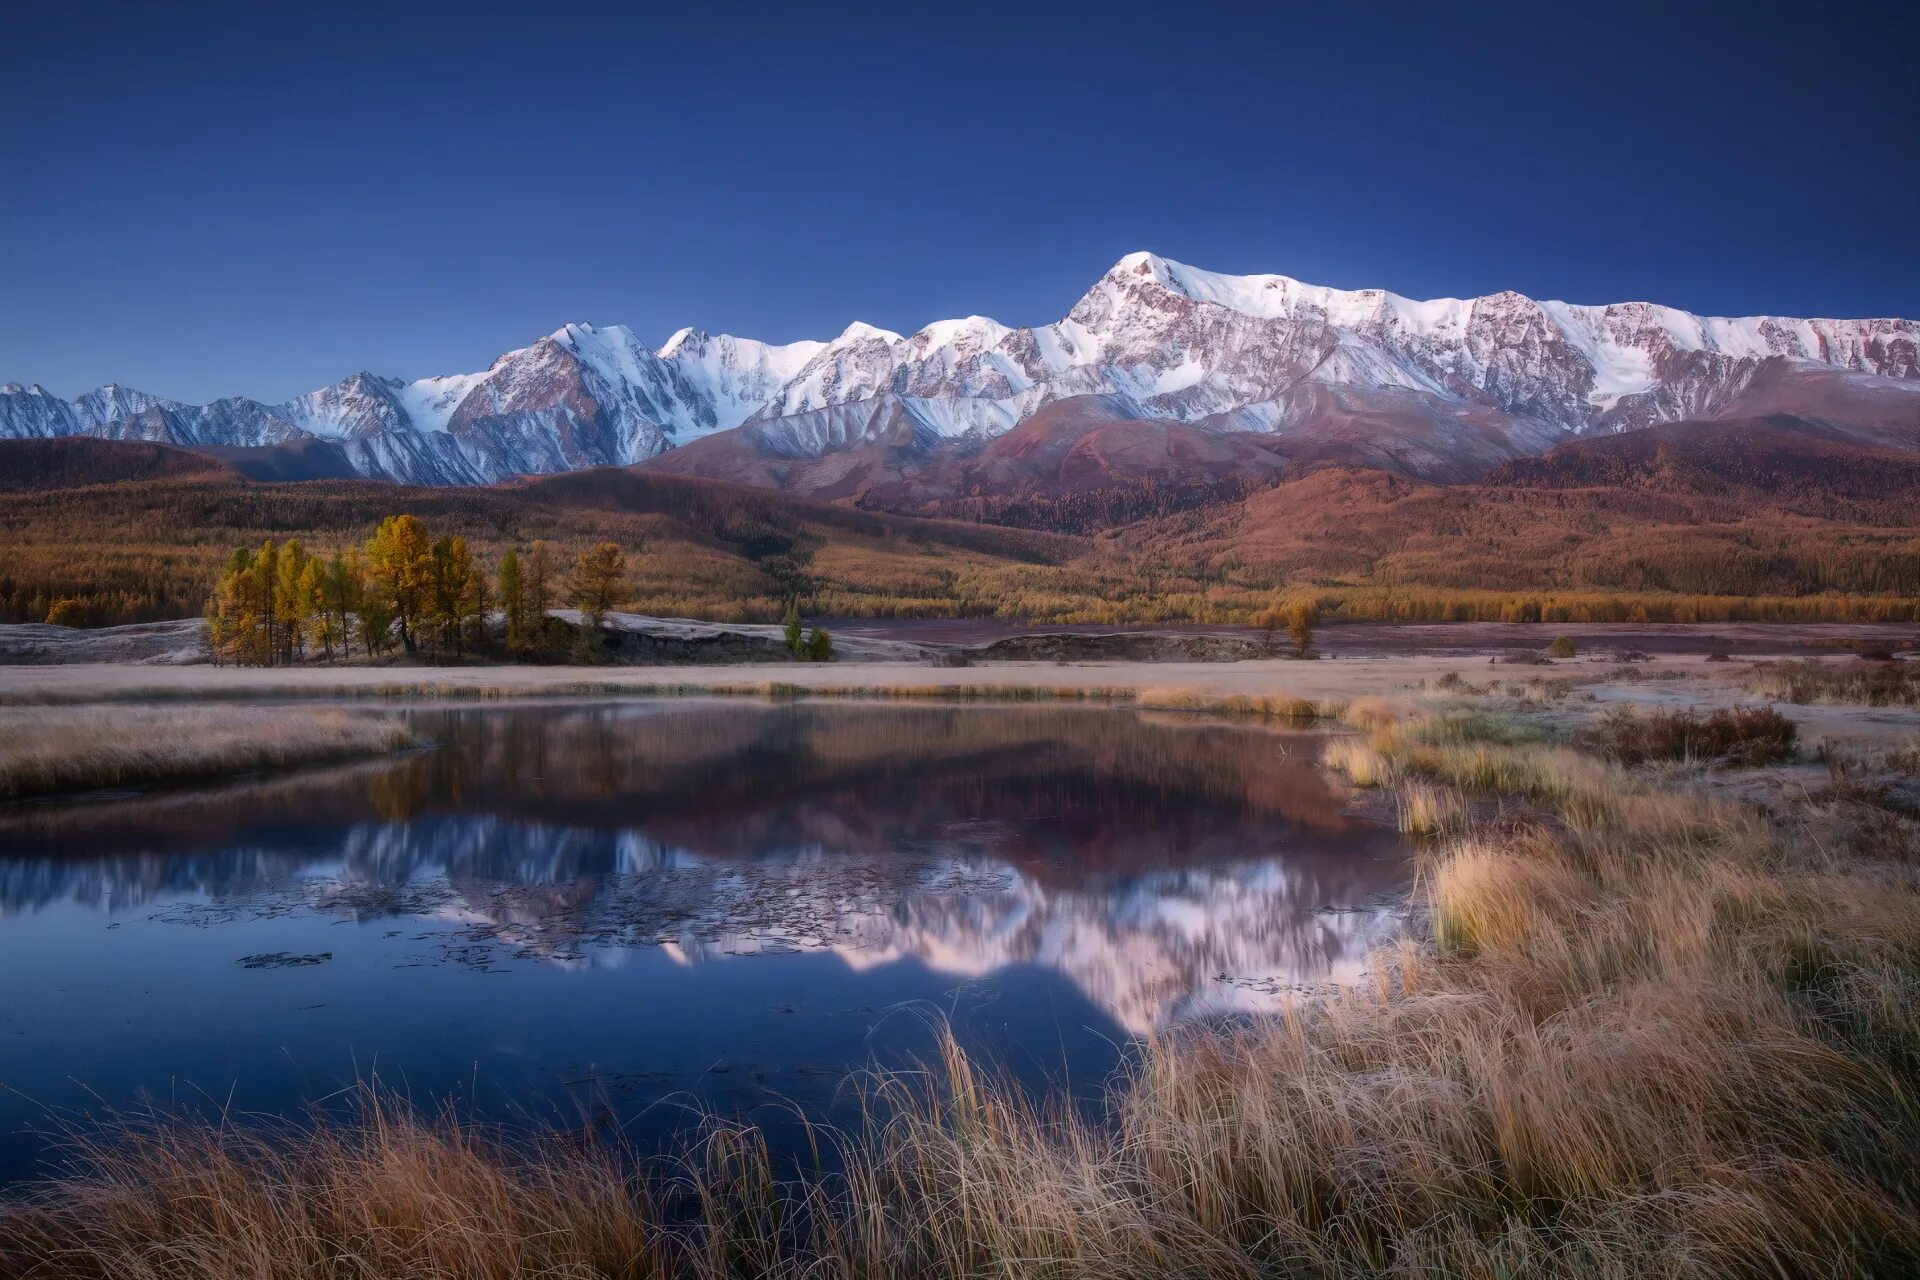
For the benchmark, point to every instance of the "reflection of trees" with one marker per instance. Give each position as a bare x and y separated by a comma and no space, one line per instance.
403,792
741,780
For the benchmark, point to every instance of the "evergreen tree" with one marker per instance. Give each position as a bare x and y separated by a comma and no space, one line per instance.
312,589
292,609
342,588
376,623
400,571
227,622
1302,618
793,626
538,597
598,582
452,592
479,624
819,646
513,603
264,644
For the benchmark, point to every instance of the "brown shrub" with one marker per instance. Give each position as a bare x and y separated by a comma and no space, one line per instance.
1874,684
1740,735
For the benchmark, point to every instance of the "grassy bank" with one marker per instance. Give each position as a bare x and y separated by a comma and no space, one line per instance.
1637,1030
436,691
46,750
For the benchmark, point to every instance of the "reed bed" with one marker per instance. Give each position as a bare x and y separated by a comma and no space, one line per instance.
1258,706
1652,1033
68,749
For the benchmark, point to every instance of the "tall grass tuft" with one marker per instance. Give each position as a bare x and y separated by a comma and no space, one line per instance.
1359,761
1426,810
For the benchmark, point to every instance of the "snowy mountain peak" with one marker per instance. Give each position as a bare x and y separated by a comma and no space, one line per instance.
972,331
681,337
1484,378
860,331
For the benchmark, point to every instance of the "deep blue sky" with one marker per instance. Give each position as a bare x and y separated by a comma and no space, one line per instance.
259,200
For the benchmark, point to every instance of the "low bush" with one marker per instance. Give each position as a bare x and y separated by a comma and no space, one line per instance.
1873,684
1740,735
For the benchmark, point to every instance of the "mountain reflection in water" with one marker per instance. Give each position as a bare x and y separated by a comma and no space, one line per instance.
1159,867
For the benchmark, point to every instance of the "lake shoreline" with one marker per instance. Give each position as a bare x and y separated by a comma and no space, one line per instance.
48,752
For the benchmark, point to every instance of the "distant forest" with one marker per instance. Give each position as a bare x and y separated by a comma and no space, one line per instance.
1645,540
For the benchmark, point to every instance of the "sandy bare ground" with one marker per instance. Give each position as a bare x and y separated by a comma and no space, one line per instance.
684,641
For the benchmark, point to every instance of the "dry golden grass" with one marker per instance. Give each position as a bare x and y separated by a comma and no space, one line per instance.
1652,1033
931,692
1359,761
1426,810
63,749
1373,713
1274,706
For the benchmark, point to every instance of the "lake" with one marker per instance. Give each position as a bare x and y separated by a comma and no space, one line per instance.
623,913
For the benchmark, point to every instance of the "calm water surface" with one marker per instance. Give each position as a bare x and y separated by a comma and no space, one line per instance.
619,912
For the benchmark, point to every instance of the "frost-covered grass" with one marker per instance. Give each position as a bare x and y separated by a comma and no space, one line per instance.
51,749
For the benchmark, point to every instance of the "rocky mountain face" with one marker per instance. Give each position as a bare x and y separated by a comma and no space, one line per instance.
1276,369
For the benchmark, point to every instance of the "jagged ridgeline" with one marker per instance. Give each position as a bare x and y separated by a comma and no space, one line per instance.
1442,390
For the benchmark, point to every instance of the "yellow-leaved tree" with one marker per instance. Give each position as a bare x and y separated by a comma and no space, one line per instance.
400,572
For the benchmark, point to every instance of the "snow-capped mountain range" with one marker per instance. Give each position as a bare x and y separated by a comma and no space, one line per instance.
1153,339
